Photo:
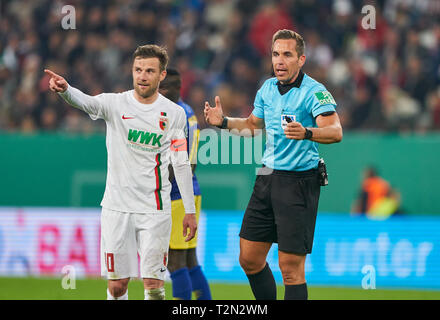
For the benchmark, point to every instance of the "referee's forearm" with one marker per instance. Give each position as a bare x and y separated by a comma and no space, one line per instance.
242,127
327,135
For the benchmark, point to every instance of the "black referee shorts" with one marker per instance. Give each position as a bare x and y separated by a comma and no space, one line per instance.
283,209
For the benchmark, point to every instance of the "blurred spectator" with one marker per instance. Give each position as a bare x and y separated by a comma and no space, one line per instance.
218,11
197,97
28,124
270,18
377,199
48,120
434,108
384,79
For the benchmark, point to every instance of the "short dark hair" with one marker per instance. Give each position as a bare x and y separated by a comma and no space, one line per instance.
172,84
172,80
152,51
289,34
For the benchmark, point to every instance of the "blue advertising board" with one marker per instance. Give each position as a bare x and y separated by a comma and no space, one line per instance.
400,252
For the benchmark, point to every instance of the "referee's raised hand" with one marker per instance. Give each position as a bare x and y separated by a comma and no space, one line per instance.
214,116
56,82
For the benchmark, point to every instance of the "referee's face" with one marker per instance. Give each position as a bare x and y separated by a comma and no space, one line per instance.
285,61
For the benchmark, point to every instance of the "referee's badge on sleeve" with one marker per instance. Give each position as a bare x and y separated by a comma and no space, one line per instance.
325,97
286,118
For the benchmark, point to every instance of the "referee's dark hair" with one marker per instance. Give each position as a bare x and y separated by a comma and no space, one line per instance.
171,85
289,34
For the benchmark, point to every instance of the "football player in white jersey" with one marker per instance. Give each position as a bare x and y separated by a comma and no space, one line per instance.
145,133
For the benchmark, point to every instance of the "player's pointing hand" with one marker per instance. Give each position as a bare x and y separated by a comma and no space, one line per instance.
214,116
56,82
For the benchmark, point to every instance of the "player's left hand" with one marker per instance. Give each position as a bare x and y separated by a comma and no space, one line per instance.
295,130
189,222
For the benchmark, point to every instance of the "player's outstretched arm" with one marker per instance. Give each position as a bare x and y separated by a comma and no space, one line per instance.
240,126
93,105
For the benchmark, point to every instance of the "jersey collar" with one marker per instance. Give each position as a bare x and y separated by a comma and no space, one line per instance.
284,88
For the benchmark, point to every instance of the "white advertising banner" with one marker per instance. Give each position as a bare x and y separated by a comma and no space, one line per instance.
49,241
42,241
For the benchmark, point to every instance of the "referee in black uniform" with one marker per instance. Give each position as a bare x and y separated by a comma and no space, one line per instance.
297,113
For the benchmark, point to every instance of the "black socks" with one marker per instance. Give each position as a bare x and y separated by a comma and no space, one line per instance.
296,292
264,287
263,284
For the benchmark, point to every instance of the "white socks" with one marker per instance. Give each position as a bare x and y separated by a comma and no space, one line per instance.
123,297
152,294
155,294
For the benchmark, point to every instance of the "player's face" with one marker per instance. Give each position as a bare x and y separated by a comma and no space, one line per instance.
285,61
147,76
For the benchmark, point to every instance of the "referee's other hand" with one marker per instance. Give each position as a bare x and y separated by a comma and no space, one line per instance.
56,82
295,130
214,116
189,222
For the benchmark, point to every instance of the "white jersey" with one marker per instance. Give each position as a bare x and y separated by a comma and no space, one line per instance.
142,140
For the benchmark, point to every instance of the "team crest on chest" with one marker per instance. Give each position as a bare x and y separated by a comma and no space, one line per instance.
163,120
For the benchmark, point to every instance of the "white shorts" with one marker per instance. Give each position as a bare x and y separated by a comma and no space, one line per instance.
125,235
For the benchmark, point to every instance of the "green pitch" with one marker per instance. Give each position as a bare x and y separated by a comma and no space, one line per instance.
95,289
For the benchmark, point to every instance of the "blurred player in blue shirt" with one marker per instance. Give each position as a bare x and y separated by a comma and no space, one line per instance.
297,113
185,271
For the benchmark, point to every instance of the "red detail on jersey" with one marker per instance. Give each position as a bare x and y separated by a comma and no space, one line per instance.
165,258
125,118
158,183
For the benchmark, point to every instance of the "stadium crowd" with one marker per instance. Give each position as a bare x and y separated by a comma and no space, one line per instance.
385,79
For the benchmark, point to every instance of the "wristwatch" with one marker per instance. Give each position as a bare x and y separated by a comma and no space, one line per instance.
224,124
309,134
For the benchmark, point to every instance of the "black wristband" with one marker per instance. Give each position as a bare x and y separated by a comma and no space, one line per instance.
224,124
309,134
